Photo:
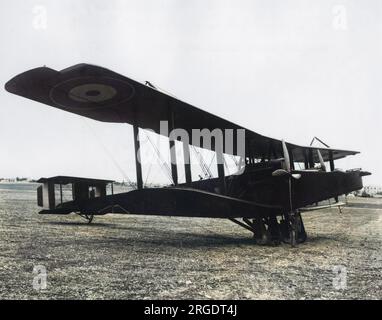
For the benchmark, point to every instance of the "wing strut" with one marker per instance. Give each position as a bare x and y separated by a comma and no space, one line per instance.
221,174
138,165
187,162
174,167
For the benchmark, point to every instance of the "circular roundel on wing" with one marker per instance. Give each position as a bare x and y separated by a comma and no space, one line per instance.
91,93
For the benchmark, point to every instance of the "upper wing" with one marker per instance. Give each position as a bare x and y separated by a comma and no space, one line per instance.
104,95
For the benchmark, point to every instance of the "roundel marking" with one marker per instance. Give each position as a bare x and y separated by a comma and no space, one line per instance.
92,92
89,93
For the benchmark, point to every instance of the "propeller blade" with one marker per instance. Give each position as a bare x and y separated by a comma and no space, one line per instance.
322,163
286,156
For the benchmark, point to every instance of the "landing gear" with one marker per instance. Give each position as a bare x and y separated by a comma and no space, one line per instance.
88,217
266,231
269,231
292,228
261,233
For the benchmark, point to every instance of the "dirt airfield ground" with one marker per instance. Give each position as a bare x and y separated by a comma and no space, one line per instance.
141,257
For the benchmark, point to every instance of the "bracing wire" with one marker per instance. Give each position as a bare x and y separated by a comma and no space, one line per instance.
162,163
110,155
206,169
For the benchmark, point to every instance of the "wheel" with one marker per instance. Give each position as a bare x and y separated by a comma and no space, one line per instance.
88,217
301,233
284,230
293,227
293,238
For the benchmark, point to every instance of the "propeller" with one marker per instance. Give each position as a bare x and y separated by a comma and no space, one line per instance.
286,156
287,167
287,172
322,163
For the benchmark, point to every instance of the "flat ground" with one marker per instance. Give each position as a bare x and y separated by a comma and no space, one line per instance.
140,257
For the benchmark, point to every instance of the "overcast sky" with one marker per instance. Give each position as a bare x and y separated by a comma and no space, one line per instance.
286,69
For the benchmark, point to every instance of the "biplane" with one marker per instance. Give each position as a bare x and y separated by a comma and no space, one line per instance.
265,197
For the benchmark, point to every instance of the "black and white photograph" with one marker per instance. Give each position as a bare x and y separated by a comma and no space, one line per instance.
212,152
